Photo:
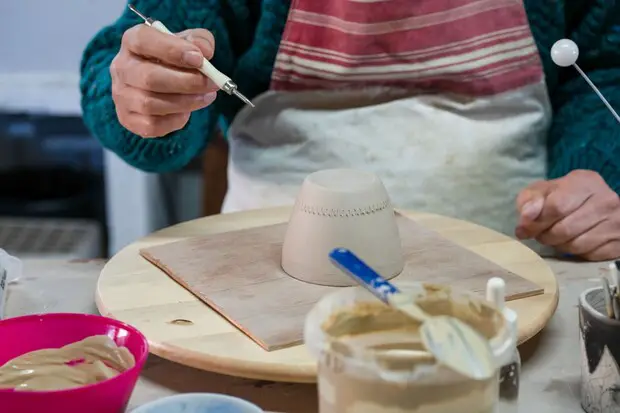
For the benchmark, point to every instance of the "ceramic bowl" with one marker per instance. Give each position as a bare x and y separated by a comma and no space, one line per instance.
199,403
21,335
341,208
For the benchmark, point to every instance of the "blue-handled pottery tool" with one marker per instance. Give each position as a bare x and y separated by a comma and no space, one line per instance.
451,341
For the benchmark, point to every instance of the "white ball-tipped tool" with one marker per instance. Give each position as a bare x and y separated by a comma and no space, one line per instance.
565,53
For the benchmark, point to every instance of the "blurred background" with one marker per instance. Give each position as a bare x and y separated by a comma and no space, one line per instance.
61,194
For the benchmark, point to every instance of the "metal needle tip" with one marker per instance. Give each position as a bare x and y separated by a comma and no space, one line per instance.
133,9
243,98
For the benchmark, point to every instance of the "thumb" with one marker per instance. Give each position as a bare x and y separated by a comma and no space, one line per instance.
532,209
531,200
202,38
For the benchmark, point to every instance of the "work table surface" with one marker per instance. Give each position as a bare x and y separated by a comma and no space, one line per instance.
549,381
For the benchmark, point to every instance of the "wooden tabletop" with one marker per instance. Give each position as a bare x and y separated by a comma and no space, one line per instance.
550,377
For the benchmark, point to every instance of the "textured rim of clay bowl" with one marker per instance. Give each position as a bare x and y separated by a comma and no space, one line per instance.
341,208
139,358
185,402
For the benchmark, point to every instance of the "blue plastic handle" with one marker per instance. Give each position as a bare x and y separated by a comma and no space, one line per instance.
357,269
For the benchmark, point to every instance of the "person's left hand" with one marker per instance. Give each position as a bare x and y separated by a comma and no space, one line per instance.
577,214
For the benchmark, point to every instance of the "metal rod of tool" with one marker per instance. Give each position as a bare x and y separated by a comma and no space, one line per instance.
207,69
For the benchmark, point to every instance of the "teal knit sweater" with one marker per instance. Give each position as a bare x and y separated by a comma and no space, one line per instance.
583,134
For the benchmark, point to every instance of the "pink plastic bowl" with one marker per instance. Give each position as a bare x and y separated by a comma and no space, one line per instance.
21,335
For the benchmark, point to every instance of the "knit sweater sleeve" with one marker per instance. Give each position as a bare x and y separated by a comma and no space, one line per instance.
177,149
584,134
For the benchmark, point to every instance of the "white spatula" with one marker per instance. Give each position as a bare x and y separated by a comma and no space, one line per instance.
448,339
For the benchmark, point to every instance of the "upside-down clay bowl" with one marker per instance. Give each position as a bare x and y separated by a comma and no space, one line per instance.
21,335
341,208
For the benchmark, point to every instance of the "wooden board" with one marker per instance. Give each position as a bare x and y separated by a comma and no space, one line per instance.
183,329
239,275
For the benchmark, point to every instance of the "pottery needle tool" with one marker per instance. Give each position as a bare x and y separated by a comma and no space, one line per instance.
607,297
565,53
221,80
452,342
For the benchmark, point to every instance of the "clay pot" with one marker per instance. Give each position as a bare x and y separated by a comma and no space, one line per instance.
341,208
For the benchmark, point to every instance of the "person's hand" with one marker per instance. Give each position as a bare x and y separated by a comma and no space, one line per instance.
155,84
578,214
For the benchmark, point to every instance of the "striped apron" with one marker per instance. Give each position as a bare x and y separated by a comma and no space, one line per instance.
444,100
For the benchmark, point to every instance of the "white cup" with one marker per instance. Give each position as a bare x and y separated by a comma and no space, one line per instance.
341,208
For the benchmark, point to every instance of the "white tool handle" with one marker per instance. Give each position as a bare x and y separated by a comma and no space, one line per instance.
615,276
207,68
496,292
608,298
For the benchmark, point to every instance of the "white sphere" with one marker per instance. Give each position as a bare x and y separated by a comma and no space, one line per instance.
565,52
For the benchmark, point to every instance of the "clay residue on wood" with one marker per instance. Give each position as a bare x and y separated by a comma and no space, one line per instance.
181,322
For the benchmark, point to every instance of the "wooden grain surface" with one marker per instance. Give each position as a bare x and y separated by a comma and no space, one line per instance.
183,329
238,274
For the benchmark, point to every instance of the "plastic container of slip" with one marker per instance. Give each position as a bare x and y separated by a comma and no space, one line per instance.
382,366
10,271
510,371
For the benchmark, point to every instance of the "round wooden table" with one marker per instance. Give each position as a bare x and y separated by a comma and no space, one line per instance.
182,329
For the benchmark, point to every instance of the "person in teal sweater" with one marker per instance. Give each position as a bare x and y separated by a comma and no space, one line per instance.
455,104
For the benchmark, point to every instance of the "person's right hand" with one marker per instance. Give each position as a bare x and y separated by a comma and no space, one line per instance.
155,84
